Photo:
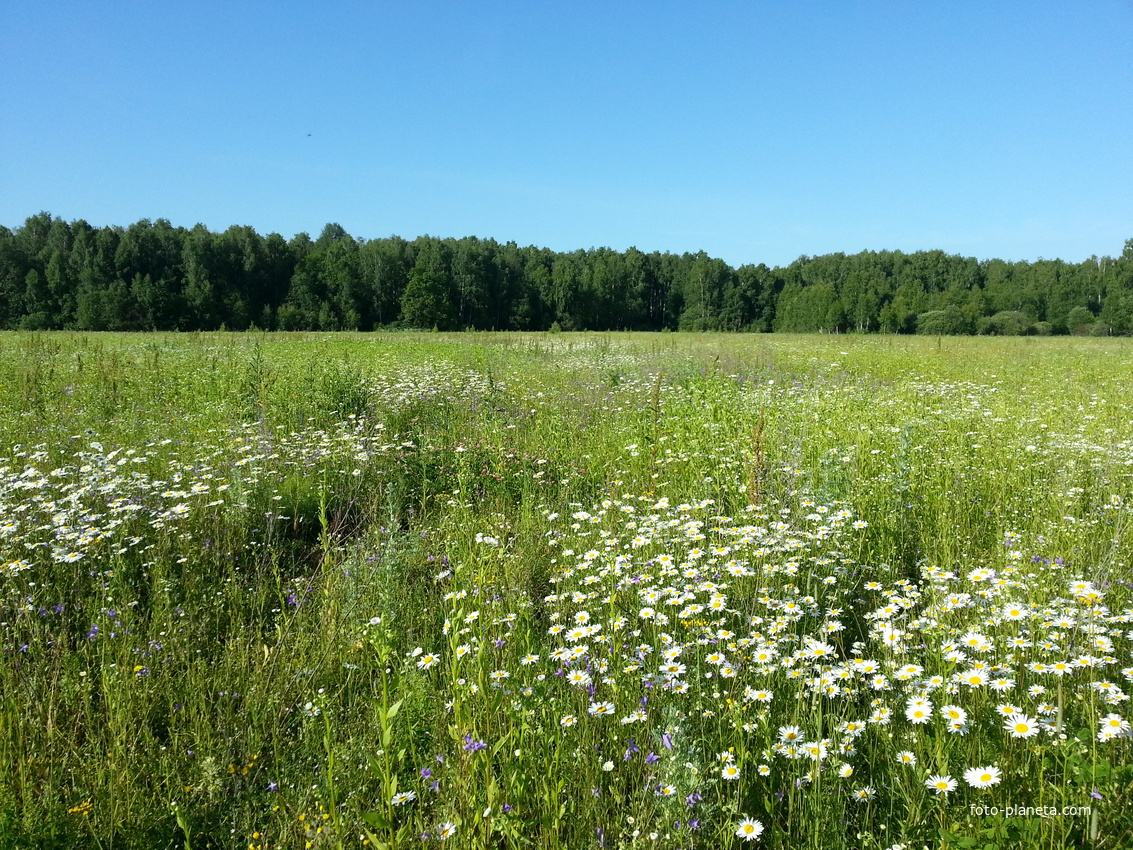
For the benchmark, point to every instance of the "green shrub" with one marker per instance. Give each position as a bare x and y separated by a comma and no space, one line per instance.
1006,323
950,321
1079,321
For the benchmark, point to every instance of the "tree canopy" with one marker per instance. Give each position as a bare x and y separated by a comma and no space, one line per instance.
154,276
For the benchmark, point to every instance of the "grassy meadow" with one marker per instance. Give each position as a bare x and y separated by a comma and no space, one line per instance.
565,591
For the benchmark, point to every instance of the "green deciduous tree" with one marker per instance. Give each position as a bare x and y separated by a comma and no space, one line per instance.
429,300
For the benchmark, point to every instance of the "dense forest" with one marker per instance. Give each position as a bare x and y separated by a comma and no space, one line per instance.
154,276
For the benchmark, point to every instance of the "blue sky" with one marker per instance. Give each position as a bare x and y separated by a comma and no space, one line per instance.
756,131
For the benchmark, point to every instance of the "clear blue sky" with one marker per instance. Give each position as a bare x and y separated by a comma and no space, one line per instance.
756,131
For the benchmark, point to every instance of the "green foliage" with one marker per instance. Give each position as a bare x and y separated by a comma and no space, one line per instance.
154,276
344,389
1006,323
428,298
950,321
1079,320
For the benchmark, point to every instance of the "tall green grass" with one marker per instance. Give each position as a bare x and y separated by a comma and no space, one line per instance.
272,590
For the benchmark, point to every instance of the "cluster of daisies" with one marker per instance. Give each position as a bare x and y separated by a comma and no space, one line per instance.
97,503
671,617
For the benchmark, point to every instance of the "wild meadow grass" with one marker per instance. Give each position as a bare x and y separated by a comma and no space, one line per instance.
565,591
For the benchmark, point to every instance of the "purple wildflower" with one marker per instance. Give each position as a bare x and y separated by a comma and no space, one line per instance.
471,745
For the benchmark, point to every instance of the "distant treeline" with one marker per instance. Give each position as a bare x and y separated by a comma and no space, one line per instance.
154,276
